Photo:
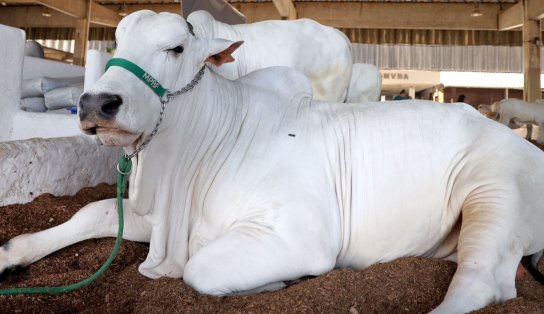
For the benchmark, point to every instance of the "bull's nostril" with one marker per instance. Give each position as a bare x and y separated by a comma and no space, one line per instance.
99,106
111,105
91,131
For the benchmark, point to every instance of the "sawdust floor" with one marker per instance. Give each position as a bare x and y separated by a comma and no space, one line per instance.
407,285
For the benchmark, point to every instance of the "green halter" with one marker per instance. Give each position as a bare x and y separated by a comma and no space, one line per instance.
140,73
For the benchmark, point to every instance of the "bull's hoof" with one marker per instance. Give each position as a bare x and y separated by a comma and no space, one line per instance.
7,267
12,270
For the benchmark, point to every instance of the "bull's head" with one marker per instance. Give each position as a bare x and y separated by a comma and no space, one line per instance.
120,108
488,111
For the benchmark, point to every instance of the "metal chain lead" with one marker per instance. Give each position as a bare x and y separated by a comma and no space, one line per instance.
189,86
169,96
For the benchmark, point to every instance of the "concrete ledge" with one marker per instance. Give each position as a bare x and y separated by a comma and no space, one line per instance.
44,124
60,166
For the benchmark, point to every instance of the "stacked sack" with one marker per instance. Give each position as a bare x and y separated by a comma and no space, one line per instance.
44,93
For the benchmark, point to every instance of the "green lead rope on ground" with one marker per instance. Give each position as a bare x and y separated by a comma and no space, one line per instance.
124,167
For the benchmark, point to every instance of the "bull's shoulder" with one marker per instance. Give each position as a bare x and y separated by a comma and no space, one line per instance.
280,81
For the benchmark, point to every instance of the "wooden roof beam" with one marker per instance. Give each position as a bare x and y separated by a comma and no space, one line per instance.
535,9
157,7
71,8
286,9
30,16
389,15
513,17
104,16
77,9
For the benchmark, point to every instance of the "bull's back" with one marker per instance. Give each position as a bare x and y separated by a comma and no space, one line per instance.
413,164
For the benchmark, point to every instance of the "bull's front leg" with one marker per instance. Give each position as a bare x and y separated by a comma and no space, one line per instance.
96,220
505,119
540,138
529,134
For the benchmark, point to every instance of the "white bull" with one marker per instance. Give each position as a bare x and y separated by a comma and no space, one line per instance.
321,52
249,183
515,113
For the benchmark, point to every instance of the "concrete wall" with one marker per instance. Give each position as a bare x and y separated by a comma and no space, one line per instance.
60,166
59,123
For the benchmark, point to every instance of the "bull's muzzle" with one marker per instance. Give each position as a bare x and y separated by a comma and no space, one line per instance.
103,105
96,109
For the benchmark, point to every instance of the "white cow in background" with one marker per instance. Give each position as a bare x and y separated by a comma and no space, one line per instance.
515,113
490,111
365,84
251,182
322,53
487,110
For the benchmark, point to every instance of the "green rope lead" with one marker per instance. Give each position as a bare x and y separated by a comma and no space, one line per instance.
125,166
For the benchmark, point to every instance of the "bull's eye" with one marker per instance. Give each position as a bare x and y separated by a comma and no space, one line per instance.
177,49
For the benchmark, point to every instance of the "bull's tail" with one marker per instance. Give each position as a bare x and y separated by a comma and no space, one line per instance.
533,267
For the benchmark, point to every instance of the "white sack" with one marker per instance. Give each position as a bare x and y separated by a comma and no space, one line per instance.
63,97
34,49
37,87
33,104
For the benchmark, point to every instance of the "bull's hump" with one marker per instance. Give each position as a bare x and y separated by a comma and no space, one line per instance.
279,80
202,22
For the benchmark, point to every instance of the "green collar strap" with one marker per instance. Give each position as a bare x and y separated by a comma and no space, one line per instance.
140,73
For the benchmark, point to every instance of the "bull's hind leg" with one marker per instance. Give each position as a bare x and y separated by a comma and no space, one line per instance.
96,220
489,252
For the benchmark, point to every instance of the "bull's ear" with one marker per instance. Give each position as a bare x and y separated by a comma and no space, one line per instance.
221,51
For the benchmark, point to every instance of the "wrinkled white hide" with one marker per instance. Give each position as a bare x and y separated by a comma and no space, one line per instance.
252,182
322,53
